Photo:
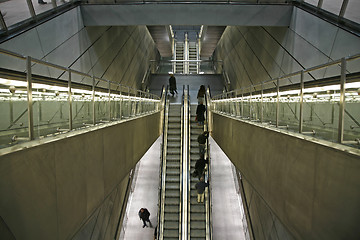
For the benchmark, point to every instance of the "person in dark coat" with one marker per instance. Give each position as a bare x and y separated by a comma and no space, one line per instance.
200,187
201,94
172,83
200,166
144,215
202,141
200,110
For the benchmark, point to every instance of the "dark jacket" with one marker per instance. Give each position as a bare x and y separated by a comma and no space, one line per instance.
202,137
145,214
172,83
201,93
200,165
200,112
200,186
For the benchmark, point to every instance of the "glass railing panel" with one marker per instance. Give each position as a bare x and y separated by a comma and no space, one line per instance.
321,113
255,108
312,2
82,110
289,111
51,111
269,110
126,108
14,12
352,11
41,6
101,104
14,115
332,6
352,114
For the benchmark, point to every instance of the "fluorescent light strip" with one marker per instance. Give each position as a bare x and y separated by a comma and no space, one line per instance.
63,91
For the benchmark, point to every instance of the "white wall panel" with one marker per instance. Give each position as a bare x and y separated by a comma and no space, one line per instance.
26,44
56,31
320,34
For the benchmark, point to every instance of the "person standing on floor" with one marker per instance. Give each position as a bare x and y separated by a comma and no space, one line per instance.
200,188
200,110
144,215
201,94
202,142
172,83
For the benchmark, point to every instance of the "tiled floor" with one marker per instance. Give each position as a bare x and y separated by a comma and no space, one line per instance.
226,210
145,194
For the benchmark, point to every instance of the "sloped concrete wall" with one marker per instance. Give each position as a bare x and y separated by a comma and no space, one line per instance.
118,53
255,54
54,188
313,189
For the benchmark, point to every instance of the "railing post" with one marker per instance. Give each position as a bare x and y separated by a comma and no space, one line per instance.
129,103
29,98
250,103
31,8
262,103
109,100
120,103
277,102
2,22
242,102
343,8
320,3
342,101
53,2
93,100
70,100
301,117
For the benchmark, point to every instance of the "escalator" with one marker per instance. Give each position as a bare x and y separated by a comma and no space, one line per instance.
197,211
171,229
180,216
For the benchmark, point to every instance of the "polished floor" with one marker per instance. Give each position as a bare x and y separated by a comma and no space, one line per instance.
226,211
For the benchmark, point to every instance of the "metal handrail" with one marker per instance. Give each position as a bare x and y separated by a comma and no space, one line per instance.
108,90
274,80
65,69
208,203
161,200
184,164
188,167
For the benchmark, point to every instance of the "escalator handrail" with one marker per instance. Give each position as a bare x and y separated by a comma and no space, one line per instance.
209,202
161,197
184,163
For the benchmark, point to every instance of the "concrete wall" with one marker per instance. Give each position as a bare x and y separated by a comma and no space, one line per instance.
255,54
54,187
120,54
312,189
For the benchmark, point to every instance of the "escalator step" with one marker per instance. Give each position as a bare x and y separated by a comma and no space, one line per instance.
172,193
172,178
197,233
197,207
172,186
172,209
201,225
172,233
171,225
172,217
198,216
172,201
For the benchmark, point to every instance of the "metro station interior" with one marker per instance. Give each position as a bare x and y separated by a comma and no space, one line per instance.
90,131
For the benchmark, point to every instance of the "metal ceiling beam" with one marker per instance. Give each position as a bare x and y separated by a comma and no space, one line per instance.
187,14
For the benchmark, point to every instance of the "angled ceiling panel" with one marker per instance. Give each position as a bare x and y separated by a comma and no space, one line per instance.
212,35
161,39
